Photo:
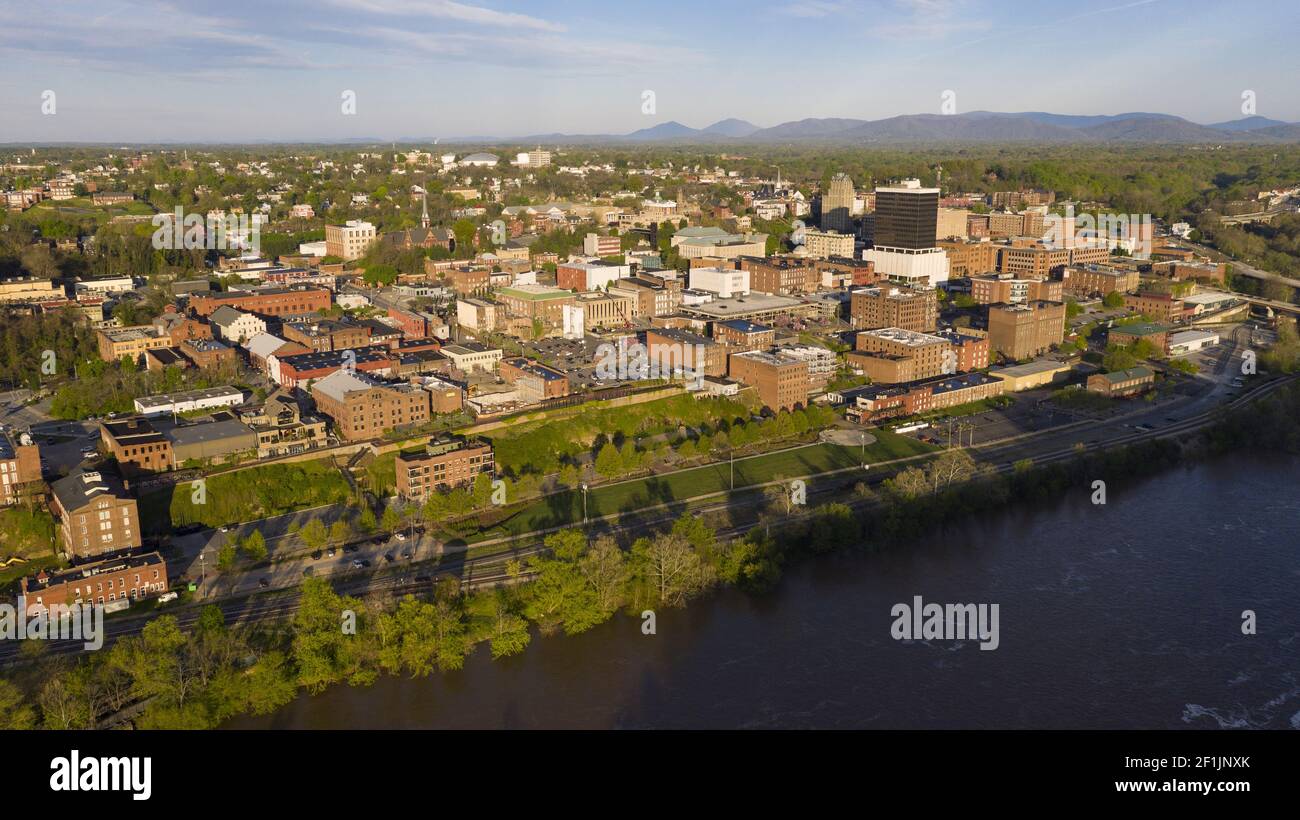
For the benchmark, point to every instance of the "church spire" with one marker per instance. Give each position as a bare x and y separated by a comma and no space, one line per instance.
424,209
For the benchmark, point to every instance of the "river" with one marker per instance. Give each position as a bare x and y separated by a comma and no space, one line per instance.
1127,615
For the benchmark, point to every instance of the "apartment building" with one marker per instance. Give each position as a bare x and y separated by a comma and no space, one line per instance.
362,407
236,326
992,288
442,465
325,335
780,275
740,335
29,290
826,244
131,342
970,258
282,427
20,467
535,381
781,382
1032,261
350,240
96,516
892,355
1026,330
895,306
1085,281
1162,307
673,351
130,578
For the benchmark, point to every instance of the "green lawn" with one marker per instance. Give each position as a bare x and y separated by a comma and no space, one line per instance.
566,507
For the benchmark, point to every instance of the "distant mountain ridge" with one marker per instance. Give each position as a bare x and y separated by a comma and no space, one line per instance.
972,126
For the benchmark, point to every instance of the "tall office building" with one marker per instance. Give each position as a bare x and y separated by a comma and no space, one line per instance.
837,205
906,215
904,246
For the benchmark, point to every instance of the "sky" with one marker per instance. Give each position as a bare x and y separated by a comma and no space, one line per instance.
279,70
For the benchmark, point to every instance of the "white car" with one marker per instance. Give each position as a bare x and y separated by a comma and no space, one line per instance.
401,536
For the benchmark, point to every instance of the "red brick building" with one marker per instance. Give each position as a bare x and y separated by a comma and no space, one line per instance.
292,301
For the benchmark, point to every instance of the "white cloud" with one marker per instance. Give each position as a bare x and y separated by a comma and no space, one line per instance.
447,10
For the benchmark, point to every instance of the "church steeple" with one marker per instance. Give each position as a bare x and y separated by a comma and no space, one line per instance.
424,209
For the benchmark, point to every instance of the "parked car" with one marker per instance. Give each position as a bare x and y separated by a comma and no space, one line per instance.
331,553
315,556
401,536
264,583
357,564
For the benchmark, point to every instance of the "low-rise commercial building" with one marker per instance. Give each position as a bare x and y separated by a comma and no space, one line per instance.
535,381
1122,383
283,427
879,403
291,301
131,578
188,401
468,357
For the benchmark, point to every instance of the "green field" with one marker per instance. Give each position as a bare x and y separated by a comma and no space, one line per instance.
245,495
566,507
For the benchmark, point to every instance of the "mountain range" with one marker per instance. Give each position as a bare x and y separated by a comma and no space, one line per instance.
974,126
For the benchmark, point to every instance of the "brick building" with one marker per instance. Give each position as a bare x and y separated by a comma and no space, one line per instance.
895,306
130,578
441,465
362,407
20,467
781,383
291,301
96,516
1026,330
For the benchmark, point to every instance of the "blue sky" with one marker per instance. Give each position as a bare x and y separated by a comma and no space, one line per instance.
134,70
